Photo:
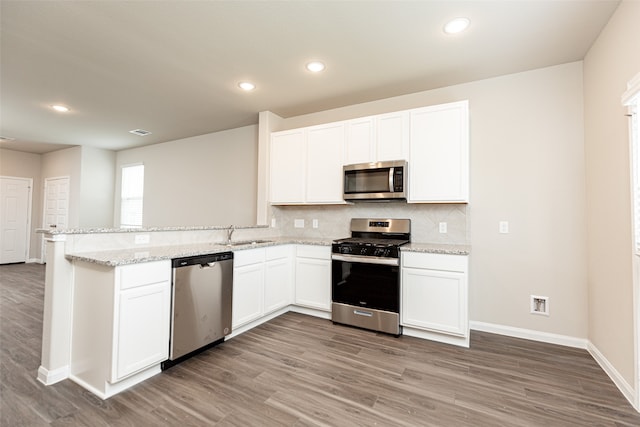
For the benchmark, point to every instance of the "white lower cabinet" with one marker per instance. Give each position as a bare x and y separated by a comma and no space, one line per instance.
278,278
120,324
143,328
435,297
262,283
313,277
248,286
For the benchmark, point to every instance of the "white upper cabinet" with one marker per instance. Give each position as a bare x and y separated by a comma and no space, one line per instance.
378,138
306,165
359,146
439,154
392,136
288,167
325,148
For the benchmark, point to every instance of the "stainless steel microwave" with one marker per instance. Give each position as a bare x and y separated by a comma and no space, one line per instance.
378,181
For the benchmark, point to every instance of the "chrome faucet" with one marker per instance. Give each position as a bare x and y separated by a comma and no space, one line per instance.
230,231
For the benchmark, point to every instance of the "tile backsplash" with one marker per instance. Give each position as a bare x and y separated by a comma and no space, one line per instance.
334,220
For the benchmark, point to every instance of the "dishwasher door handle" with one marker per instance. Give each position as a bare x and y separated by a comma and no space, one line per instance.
208,265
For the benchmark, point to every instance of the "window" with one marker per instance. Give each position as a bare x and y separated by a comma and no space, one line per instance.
131,196
631,98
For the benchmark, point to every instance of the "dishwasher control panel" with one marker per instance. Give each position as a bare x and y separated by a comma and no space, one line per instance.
201,259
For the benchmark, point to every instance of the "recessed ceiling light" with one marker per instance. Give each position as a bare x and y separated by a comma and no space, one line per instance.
60,108
6,138
315,66
456,25
140,132
246,86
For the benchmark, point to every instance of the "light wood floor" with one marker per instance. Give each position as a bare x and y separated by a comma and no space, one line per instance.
302,371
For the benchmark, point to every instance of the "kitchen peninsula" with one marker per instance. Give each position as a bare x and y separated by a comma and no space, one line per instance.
91,275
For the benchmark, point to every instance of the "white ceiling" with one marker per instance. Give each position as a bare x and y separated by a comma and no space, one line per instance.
172,67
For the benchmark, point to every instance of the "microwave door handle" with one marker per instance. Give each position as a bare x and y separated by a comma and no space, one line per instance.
391,180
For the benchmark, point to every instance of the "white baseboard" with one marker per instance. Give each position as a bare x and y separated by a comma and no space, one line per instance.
530,334
625,388
460,341
111,389
48,377
247,326
34,260
311,312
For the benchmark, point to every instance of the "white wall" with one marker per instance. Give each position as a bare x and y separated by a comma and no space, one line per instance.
204,180
27,165
612,61
527,167
97,187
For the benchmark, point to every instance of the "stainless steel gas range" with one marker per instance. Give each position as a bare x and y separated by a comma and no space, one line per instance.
366,274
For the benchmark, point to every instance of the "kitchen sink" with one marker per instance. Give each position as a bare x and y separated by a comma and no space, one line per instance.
248,242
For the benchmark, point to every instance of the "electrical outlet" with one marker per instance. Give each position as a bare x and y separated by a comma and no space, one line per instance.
539,305
141,239
504,227
298,223
314,223
442,227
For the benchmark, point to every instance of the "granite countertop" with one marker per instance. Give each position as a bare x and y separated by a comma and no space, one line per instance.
118,257
53,231
436,248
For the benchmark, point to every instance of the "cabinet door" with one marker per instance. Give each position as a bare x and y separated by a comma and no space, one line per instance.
278,284
325,154
288,167
313,283
248,283
434,300
142,328
439,153
392,136
360,142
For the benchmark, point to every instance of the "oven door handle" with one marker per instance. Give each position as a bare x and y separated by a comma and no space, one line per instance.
365,259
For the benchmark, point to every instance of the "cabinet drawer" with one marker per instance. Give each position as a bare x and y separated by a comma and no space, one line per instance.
147,273
435,261
311,251
278,252
247,257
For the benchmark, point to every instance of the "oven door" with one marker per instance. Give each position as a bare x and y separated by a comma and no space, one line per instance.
366,282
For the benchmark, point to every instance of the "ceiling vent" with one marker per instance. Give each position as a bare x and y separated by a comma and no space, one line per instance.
140,132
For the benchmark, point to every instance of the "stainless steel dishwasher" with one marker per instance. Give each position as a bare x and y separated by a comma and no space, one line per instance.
201,304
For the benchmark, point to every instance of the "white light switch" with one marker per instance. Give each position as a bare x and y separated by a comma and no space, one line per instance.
442,227
273,223
504,227
314,224
298,223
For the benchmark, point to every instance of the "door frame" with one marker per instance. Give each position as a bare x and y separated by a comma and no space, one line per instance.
44,213
29,214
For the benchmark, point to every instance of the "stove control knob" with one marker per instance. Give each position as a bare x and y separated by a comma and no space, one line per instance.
345,250
379,252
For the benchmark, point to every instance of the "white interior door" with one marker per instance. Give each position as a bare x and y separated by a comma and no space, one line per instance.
56,206
15,202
